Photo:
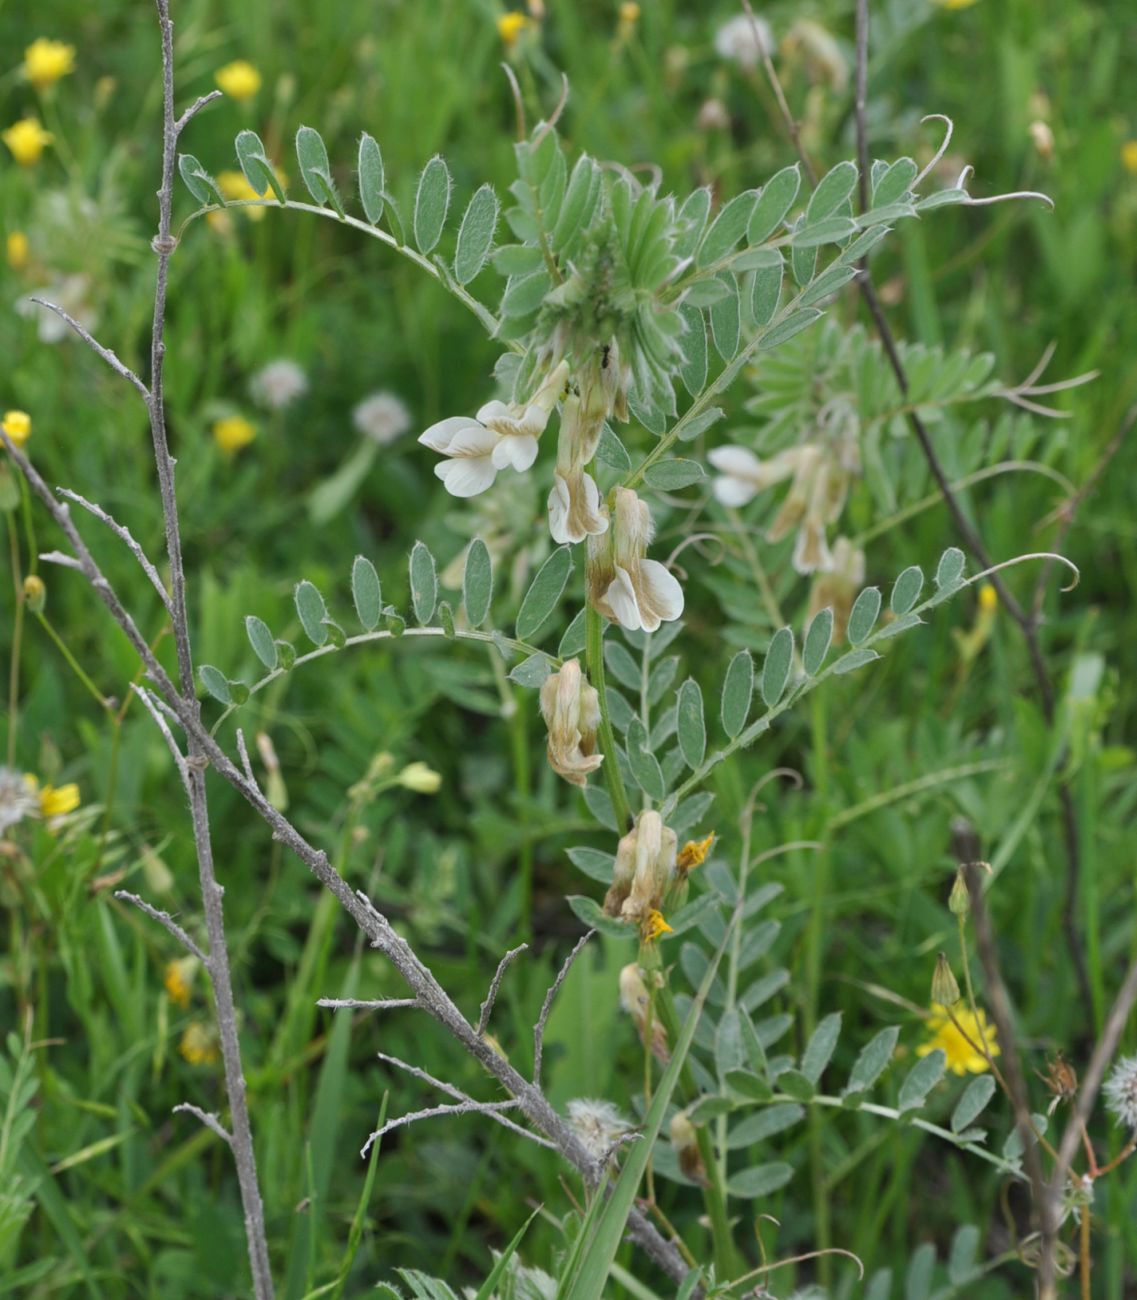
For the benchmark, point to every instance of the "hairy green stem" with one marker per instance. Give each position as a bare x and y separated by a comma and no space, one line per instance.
17,642
594,658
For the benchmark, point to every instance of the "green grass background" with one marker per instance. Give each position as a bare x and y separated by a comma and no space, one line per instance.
150,1207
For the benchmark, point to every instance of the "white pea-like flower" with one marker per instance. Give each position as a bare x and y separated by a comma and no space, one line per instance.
571,709
742,475
278,384
624,585
743,40
1120,1092
575,508
382,417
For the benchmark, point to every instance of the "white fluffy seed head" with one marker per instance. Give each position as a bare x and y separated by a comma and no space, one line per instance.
1120,1091
382,417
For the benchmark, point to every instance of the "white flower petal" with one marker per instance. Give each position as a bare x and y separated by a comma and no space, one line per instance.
621,599
466,476
473,441
518,450
737,461
660,595
559,512
439,436
731,491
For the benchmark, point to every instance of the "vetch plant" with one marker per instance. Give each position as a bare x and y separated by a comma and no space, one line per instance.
625,315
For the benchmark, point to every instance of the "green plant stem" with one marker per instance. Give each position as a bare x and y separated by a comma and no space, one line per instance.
815,943
594,658
17,642
714,1194
519,736
73,663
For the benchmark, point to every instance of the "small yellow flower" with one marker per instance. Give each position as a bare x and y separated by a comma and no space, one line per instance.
963,1056
629,12
56,801
988,598
18,426
35,593
420,778
694,854
1129,156
510,26
239,80
233,433
654,926
233,185
955,4
46,61
27,140
199,1044
179,979
18,250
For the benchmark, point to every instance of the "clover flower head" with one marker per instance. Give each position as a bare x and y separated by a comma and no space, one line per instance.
18,798
960,1041
598,1124
27,140
743,40
46,61
624,585
1120,1092
382,417
278,384
239,80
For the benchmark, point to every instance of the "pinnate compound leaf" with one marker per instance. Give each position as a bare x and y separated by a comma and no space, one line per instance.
312,155
313,612
477,582
475,235
256,166
818,637
776,669
260,638
372,180
424,582
906,590
544,593
737,688
819,1050
690,724
215,682
873,1060
366,593
921,1079
432,202
863,615
973,1102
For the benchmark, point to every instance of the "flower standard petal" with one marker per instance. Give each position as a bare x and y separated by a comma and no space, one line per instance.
660,597
439,436
732,491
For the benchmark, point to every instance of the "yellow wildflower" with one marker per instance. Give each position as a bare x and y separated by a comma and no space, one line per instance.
35,593
694,854
955,4
179,979
654,926
18,250
420,778
962,1049
629,11
27,140
510,26
1129,156
233,185
233,433
239,80
199,1044
56,801
988,598
46,61
18,426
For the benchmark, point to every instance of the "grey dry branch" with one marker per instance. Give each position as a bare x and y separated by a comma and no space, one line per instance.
124,535
495,984
164,919
210,1120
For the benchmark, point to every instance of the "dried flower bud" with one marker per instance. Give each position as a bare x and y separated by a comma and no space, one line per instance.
636,1001
686,1143
623,585
654,863
571,709
945,989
